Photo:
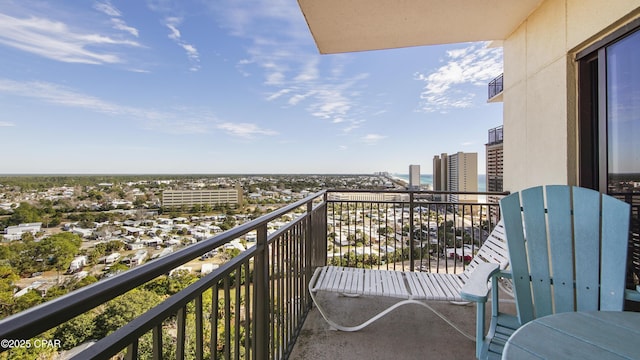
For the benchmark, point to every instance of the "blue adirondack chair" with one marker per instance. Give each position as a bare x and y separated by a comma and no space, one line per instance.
568,250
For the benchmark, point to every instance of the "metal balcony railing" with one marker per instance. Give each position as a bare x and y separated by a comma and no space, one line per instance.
258,299
408,230
254,305
496,86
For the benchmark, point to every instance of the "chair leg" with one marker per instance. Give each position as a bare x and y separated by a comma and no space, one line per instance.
339,327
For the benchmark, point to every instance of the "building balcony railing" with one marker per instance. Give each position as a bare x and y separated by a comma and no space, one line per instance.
254,305
496,86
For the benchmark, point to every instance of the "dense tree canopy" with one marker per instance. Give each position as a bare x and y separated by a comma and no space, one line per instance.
29,256
123,309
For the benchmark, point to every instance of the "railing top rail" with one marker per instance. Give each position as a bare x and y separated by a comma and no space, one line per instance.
40,318
419,192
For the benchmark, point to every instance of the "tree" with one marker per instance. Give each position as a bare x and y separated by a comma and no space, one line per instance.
23,257
30,299
121,310
118,268
114,245
25,213
60,249
76,331
87,280
7,280
170,285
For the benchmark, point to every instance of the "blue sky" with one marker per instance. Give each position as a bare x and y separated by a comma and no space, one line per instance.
161,86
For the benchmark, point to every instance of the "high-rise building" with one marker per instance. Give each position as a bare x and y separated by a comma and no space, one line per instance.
494,165
456,172
414,177
494,159
440,172
463,176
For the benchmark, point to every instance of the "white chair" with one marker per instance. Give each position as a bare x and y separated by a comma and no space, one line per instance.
413,287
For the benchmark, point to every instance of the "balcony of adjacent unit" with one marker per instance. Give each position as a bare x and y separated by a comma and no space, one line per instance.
496,87
256,305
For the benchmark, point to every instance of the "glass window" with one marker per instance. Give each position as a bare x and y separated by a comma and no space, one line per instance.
623,114
609,126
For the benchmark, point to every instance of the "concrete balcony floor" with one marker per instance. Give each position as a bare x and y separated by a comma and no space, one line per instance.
409,332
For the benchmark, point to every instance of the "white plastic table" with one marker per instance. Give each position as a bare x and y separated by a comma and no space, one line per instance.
577,335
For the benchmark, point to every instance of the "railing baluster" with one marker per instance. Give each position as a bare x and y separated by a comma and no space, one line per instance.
248,315
213,345
227,318
157,342
181,319
261,296
411,230
236,310
132,351
199,328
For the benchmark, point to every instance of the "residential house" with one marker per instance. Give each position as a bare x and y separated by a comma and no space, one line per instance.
77,263
16,231
138,258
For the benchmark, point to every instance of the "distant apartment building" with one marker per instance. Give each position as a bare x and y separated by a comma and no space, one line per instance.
366,196
494,159
173,198
463,176
414,177
456,173
494,151
440,171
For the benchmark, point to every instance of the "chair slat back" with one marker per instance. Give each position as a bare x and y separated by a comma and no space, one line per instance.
615,225
568,250
493,250
586,237
560,228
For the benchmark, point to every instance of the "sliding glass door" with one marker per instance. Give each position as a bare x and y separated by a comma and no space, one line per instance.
609,125
623,114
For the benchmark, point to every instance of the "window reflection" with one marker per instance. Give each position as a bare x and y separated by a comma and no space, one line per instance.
623,114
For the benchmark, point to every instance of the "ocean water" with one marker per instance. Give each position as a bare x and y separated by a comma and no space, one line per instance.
428,179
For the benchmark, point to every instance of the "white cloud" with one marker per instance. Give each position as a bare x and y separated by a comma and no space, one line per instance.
278,94
55,94
309,70
183,121
6,124
372,138
55,40
119,24
295,99
352,125
172,24
281,51
447,87
275,78
245,130
108,9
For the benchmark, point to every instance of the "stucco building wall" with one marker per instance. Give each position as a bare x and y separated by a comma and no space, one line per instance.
540,92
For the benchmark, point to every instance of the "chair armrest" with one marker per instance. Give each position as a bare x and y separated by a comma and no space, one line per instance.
476,288
633,295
